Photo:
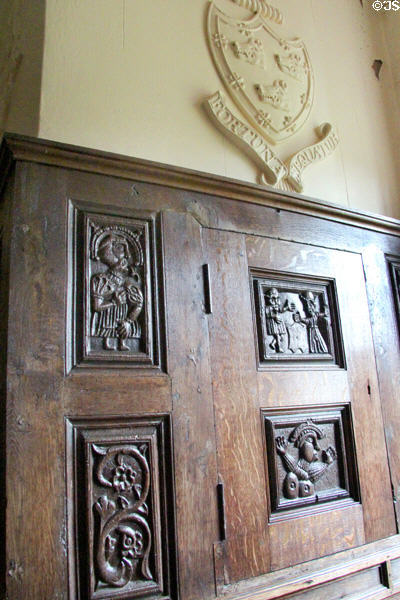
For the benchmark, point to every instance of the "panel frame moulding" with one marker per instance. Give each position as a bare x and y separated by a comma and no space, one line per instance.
295,285
316,419
24,148
82,218
93,446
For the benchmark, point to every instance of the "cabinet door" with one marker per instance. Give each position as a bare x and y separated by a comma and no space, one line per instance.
300,442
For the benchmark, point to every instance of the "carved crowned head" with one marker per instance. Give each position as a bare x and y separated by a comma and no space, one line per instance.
116,247
305,437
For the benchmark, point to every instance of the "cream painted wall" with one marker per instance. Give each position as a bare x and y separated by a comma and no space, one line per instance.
130,77
21,49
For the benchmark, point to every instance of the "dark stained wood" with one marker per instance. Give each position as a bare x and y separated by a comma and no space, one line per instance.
193,416
208,381
78,158
238,423
362,388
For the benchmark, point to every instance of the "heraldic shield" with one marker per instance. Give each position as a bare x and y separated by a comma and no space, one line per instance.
269,78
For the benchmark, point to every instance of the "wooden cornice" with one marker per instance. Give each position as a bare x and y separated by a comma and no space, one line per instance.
15,147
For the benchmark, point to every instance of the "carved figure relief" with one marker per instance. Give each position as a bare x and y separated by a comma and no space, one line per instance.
113,294
295,323
311,456
316,343
303,472
271,70
116,294
118,480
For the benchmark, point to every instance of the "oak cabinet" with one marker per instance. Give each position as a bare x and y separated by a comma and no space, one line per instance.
200,385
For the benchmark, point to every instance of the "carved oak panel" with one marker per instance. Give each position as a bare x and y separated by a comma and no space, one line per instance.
120,509
297,321
310,457
114,294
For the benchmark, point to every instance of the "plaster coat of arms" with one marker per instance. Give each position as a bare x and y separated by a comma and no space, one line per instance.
270,79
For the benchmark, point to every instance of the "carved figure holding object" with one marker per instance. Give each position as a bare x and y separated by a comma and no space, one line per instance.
116,297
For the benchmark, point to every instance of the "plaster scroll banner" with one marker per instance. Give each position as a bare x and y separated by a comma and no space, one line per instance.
247,138
250,141
270,80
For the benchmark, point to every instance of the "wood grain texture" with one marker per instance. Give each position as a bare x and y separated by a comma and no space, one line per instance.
193,417
362,389
35,510
238,423
305,538
78,158
311,575
287,232
387,352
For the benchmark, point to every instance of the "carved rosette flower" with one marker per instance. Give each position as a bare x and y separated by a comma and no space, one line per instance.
124,478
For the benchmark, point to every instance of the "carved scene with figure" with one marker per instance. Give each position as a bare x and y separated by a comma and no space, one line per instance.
115,310
311,457
297,320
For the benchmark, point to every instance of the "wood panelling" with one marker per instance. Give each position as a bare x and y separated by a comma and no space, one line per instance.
212,506
193,416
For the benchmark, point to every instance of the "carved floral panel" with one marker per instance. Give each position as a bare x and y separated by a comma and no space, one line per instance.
120,534
310,457
115,293
297,320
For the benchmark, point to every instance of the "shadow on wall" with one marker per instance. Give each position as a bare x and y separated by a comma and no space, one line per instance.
22,24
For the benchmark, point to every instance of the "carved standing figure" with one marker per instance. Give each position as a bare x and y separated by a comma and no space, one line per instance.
308,468
275,324
116,297
316,342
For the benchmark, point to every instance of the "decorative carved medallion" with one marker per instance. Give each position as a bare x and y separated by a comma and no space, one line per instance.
297,321
264,72
311,457
115,311
118,469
